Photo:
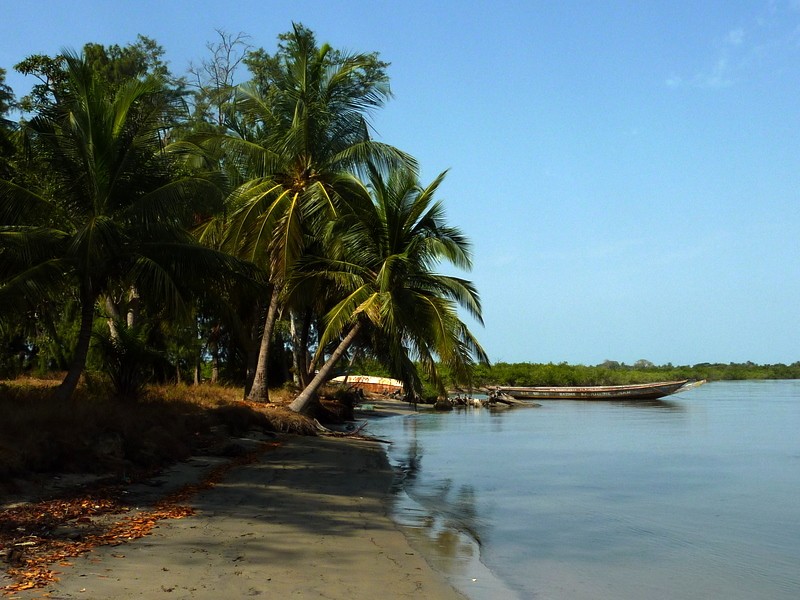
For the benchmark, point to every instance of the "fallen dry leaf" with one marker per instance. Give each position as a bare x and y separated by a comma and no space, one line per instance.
44,517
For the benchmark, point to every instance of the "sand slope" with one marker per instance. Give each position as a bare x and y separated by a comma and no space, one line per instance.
309,520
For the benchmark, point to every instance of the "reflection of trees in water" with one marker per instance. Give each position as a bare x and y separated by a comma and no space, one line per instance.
449,512
665,405
450,519
411,462
449,541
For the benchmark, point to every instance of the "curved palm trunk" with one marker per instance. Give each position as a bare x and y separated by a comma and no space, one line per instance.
259,392
308,396
67,387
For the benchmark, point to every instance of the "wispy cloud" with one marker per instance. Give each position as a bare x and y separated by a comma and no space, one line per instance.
744,50
736,37
674,81
720,74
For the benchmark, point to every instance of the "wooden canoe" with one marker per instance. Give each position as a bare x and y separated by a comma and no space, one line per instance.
640,391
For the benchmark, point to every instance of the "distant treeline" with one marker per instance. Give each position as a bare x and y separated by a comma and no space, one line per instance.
614,373
607,373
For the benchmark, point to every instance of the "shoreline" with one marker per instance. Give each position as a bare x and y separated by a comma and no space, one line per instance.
311,518
452,551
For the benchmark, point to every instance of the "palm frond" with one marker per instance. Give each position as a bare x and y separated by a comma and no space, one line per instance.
360,155
21,247
34,285
344,313
19,205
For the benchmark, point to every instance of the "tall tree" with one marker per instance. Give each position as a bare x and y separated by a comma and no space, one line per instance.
113,66
109,212
6,126
213,79
381,257
302,128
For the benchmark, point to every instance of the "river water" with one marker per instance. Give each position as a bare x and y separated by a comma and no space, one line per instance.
694,497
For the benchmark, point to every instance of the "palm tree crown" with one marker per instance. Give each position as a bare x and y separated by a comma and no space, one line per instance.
301,135
106,209
381,258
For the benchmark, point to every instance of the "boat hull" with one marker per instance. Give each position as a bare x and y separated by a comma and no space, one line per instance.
642,391
369,383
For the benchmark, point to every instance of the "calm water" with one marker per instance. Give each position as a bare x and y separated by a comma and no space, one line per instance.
697,497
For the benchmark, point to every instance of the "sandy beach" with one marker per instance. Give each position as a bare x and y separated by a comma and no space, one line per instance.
309,519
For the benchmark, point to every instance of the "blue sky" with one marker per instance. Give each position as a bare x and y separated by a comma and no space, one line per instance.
629,172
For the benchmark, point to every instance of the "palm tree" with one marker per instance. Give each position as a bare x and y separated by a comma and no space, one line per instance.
381,259
302,131
107,212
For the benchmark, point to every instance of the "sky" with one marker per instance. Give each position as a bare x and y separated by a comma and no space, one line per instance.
628,171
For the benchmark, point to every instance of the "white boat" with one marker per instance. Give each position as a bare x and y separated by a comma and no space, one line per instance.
370,383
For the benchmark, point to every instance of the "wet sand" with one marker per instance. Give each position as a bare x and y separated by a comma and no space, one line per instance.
308,520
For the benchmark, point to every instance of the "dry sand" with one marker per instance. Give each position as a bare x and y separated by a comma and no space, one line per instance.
308,520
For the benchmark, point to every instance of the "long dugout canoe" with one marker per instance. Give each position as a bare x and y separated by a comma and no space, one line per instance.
639,391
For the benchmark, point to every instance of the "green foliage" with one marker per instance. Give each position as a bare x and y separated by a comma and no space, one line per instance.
113,66
116,64
7,127
614,373
107,212
368,365
93,227
38,340
127,360
380,259
6,96
297,135
268,69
